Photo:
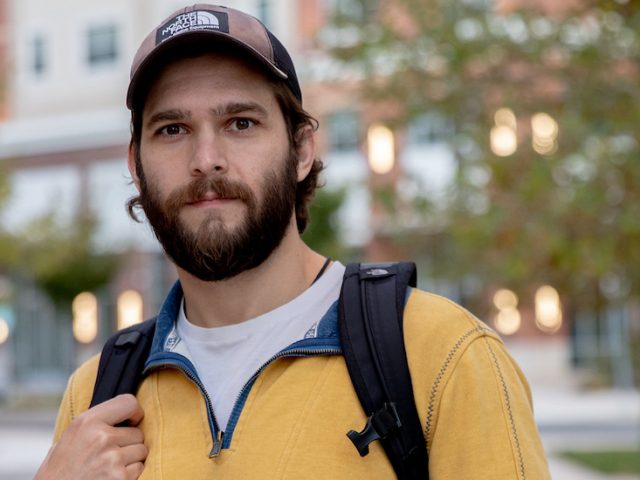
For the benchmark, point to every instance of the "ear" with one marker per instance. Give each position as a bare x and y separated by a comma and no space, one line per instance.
306,152
131,163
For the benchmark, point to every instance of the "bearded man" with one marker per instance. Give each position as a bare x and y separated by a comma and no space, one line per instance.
245,377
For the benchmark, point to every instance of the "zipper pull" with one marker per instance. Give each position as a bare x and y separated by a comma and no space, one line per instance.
217,445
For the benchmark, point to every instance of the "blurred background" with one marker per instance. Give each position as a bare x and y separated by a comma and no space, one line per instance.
496,143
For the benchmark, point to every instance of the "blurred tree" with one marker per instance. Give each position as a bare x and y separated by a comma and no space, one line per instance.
8,244
62,259
322,233
551,199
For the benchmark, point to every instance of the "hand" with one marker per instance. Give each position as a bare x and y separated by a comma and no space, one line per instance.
93,448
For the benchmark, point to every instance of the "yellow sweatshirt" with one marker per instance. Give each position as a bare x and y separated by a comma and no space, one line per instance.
292,418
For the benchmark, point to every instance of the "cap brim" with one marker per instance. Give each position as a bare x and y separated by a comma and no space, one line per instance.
203,40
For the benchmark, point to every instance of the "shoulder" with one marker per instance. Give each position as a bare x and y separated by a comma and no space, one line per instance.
432,319
438,333
449,348
77,395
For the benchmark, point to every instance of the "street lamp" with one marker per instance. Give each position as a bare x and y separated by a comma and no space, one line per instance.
129,309
503,138
85,317
548,309
380,149
508,319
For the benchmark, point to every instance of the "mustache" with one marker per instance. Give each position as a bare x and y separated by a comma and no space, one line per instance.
200,187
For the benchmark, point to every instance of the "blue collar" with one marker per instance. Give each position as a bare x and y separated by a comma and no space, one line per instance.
324,334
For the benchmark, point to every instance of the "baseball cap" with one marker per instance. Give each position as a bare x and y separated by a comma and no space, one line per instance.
202,25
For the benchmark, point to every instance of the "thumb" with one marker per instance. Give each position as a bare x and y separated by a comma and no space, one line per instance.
119,409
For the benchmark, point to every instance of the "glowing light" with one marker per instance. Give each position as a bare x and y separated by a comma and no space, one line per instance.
4,331
503,141
381,149
544,147
505,299
129,308
505,117
545,134
548,309
85,317
508,321
544,126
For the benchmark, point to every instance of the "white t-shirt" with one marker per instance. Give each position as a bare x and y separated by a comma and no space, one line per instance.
227,357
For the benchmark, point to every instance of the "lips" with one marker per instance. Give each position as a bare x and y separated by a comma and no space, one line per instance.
209,197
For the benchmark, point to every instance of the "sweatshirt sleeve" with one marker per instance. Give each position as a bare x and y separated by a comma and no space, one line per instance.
484,427
77,396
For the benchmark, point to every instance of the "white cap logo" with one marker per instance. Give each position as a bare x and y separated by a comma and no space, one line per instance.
197,20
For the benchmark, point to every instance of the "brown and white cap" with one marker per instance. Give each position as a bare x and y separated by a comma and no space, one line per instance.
203,25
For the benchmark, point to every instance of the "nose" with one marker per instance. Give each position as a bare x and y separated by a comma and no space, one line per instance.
209,155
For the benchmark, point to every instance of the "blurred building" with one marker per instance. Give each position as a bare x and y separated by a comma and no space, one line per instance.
4,41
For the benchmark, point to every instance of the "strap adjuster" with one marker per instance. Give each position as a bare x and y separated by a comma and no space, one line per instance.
379,425
128,339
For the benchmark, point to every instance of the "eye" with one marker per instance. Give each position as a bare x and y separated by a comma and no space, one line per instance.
172,130
241,123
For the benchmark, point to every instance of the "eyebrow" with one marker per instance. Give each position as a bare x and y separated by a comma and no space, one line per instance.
234,108
239,107
168,115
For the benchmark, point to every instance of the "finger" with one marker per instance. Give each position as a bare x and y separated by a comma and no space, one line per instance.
118,409
134,470
128,436
134,453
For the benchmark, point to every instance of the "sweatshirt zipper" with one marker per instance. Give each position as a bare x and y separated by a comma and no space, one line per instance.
217,435
237,406
222,439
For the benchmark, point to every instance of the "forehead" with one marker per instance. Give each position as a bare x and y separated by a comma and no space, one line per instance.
212,75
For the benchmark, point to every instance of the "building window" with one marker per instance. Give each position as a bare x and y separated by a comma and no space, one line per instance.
354,9
38,55
102,45
343,130
429,128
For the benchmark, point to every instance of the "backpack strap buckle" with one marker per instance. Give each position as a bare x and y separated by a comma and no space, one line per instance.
126,340
379,425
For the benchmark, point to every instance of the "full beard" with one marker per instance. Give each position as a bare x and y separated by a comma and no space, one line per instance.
214,251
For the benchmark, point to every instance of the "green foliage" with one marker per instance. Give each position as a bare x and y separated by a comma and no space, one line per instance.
322,232
9,246
569,217
614,461
62,260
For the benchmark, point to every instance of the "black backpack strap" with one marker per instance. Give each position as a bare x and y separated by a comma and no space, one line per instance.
371,309
122,361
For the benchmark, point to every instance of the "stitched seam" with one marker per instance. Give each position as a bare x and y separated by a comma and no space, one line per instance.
512,422
440,376
72,408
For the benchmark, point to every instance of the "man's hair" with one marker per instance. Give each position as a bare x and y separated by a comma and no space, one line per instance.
299,124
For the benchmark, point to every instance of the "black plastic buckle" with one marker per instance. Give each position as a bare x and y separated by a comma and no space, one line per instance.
379,425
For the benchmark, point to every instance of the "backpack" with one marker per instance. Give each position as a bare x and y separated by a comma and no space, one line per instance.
370,311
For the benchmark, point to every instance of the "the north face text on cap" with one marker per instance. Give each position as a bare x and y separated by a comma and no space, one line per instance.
197,20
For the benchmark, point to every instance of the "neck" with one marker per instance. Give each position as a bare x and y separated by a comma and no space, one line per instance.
285,274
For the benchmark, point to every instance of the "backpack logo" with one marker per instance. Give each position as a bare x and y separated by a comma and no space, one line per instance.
376,272
193,21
